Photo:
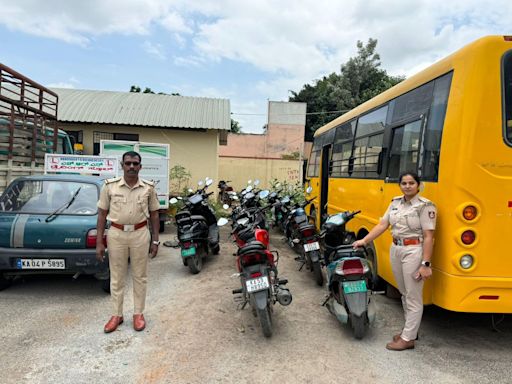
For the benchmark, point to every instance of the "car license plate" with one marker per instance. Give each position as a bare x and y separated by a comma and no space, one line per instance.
185,252
257,284
41,264
308,247
354,286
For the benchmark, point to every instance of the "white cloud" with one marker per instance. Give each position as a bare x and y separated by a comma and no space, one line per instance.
61,85
292,44
154,49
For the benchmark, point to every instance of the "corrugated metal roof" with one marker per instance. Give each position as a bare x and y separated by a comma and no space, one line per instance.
142,109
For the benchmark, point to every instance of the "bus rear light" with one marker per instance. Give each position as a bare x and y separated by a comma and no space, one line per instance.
468,237
466,261
489,297
507,38
469,212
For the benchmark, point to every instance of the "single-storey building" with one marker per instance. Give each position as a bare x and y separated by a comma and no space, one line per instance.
194,127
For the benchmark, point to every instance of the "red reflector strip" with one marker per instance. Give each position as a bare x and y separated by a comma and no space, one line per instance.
510,204
507,38
256,274
489,297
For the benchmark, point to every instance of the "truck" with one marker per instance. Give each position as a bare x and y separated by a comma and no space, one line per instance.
28,126
155,166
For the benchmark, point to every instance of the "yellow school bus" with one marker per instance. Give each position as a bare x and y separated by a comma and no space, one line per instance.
452,124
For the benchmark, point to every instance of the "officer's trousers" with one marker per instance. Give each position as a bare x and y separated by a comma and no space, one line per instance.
121,246
405,263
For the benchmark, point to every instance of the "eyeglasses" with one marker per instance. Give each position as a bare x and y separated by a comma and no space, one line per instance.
130,163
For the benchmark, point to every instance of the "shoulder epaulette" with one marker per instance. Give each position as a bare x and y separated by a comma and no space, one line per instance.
425,200
112,180
148,182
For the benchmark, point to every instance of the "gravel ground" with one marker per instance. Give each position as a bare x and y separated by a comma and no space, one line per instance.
52,332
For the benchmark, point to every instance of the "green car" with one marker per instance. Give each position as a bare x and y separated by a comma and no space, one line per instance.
48,225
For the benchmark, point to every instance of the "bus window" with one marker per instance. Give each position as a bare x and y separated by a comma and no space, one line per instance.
368,143
434,130
404,149
507,92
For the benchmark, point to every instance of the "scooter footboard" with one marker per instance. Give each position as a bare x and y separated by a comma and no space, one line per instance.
357,302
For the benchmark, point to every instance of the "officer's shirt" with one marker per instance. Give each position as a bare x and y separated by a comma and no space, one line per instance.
125,204
409,219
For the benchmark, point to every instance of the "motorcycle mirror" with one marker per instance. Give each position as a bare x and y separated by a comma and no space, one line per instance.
225,206
256,182
296,241
222,221
243,192
180,198
309,189
235,197
173,200
200,183
248,189
278,185
263,194
208,181
190,190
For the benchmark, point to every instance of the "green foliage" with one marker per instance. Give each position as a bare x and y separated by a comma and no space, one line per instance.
137,89
235,127
360,79
283,188
179,177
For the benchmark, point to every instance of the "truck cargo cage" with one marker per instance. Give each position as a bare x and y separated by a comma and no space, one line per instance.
28,125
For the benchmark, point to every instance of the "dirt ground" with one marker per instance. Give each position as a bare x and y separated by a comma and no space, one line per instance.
52,332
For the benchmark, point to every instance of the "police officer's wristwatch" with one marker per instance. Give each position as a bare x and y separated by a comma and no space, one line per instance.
425,263
155,242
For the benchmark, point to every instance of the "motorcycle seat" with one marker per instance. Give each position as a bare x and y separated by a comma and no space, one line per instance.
306,226
253,246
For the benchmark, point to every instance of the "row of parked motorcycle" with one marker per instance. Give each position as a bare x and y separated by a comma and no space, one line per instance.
350,273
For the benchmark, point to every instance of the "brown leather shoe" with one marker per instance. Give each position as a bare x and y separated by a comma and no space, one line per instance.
397,336
400,345
113,323
138,322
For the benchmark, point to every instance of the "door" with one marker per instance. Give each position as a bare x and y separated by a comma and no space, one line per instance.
324,182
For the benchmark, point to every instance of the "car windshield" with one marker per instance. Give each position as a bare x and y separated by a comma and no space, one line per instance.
46,196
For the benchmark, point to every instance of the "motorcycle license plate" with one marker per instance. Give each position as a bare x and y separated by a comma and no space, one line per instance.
354,286
308,247
257,284
188,252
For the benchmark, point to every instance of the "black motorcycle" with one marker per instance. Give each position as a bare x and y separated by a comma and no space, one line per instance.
198,232
349,274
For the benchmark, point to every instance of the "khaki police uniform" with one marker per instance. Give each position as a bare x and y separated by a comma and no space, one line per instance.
408,219
128,206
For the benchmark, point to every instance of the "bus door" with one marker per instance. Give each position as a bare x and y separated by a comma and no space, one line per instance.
324,181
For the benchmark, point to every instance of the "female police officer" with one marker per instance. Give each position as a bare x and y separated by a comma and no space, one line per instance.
413,220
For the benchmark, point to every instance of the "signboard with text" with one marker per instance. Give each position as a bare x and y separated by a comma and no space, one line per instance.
81,164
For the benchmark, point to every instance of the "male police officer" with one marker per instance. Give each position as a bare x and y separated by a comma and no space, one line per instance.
129,202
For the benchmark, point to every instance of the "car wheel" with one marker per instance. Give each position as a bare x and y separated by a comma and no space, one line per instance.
105,285
5,282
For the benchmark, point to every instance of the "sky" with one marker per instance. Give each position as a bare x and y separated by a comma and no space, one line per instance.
247,51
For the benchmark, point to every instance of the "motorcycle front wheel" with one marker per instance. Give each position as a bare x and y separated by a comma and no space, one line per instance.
265,318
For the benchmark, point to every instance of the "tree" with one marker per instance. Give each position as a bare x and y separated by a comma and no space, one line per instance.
137,89
178,175
235,127
360,79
